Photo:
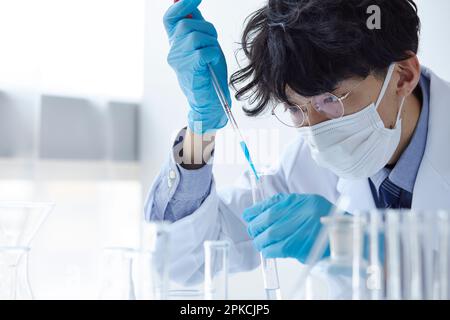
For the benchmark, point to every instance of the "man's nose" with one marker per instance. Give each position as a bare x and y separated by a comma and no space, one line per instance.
314,117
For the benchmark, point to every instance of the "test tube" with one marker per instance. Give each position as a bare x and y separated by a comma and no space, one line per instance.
375,271
269,266
444,263
393,257
357,280
412,265
116,274
154,261
216,270
428,243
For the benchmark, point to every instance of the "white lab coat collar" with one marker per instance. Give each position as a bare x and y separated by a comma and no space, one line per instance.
435,168
432,189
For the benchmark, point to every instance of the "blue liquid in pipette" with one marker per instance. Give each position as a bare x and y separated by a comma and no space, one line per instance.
249,159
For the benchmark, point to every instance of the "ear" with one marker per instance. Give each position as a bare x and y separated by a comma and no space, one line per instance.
409,71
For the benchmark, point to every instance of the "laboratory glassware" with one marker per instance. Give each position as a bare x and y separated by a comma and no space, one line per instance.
153,263
269,266
19,223
428,239
319,248
414,249
339,276
359,265
186,294
412,257
393,255
216,270
14,283
375,269
116,274
443,257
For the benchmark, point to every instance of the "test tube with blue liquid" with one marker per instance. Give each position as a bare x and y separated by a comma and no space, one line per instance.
269,266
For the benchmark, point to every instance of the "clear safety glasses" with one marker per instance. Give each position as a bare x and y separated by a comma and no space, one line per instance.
328,104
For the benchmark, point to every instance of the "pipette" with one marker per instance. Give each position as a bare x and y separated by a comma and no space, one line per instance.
226,107
234,125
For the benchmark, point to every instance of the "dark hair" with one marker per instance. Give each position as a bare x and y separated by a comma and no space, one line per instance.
313,45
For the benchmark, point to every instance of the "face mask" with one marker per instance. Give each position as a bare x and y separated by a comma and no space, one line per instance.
355,146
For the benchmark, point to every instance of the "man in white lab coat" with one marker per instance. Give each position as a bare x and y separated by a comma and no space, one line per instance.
373,125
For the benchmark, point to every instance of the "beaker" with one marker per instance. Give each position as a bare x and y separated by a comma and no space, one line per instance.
14,284
342,275
19,223
153,263
268,266
216,270
186,294
116,280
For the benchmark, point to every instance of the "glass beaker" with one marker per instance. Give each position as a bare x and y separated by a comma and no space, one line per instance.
268,266
19,223
216,270
186,294
342,276
14,284
154,259
116,274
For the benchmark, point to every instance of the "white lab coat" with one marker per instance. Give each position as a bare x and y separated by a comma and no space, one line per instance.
220,215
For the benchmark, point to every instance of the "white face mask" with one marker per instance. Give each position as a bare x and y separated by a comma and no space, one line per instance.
355,146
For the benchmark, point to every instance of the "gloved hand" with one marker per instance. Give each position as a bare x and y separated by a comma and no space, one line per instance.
286,226
194,45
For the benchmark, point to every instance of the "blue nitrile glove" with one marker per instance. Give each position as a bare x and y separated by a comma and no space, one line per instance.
286,226
194,45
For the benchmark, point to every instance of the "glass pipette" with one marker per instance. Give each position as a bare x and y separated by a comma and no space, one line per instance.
234,125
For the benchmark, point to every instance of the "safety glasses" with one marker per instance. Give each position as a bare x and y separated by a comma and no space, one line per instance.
328,104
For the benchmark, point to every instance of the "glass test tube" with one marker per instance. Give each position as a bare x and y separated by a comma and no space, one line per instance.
269,266
444,250
216,270
375,271
428,244
393,258
116,274
416,257
154,261
357,281
412,267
